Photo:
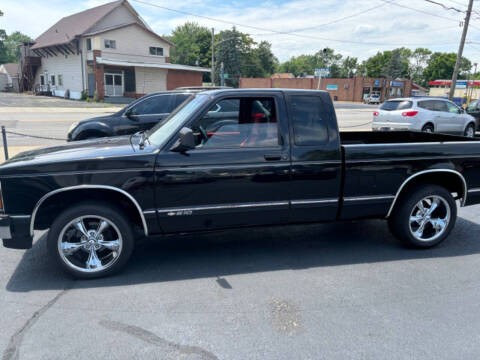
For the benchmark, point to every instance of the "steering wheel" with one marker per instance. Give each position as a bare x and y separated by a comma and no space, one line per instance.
204,134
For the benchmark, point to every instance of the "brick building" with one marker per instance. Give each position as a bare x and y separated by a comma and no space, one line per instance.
351,89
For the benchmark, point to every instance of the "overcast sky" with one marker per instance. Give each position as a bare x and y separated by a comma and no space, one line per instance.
386,26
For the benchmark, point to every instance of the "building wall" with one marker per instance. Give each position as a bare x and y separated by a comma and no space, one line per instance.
132,44
120,15
442,91
350,89
178,78
69,66
148,80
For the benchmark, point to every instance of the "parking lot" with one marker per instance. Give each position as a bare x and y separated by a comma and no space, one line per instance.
305,292
331,291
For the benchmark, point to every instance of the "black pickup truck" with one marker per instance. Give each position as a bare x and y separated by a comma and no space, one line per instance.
275,158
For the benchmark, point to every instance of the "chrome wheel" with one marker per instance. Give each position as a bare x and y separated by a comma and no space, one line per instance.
90,243
429,218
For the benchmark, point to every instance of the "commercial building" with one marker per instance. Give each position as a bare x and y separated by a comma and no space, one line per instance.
463,89
348,89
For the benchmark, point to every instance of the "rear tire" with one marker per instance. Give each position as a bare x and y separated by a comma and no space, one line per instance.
428,128
469,131
417,222
91,240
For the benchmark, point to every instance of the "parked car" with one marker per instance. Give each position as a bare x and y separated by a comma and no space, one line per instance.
473,109
423,114
142,114
372,99
278,160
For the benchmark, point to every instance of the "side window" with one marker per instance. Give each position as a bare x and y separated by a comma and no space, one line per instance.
452,108
179,99
238,123
427,105
309,126
472,106
153,105
440,106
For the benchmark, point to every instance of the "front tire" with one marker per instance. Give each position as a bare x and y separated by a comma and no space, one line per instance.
424,216
91,240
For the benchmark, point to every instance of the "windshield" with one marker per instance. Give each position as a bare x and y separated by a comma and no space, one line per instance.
396,105
161,132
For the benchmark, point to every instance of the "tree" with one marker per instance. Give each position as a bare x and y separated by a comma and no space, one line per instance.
418,62
3,49
398,64
441,66
266,61
12,44
348,67
192,45
306,64
230,51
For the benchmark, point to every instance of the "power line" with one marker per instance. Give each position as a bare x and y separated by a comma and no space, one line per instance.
290,33
445,6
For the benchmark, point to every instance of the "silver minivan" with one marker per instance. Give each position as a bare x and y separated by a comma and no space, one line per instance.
423,114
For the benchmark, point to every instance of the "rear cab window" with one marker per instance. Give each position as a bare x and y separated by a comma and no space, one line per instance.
396,105
309,120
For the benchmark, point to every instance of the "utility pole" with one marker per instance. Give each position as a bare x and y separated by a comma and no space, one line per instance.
460,50
212,73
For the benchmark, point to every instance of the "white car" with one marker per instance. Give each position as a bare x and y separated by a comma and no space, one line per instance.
372,99
423,114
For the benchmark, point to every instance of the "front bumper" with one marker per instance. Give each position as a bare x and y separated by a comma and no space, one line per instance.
15,232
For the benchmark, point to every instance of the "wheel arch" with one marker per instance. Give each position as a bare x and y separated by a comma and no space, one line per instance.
459,184
80,189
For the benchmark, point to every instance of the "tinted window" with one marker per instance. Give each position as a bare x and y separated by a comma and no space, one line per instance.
180,98
396,105
309,125
251,123
153,105
439,105
427,104
472,106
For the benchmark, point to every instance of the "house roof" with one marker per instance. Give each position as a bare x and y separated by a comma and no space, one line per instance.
11,68
69,27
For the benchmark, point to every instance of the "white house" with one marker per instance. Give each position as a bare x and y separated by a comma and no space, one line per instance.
10,72
108,49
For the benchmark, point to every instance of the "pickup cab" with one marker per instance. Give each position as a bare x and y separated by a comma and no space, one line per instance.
273,157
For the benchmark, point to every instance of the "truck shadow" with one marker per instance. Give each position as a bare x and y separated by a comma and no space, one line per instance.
218,255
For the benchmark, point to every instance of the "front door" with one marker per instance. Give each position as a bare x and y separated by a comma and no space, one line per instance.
237,175
113,84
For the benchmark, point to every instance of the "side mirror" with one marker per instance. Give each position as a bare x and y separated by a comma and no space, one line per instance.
129,114
186,141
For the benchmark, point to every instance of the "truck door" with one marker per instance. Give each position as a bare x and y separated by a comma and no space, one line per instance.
316,158
237,175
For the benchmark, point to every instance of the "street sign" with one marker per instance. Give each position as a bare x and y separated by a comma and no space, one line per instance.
225,76
322,72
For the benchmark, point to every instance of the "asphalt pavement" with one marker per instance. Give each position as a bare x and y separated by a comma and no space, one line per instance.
332,291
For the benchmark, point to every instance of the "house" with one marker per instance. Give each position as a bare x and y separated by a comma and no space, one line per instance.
11,70
108,49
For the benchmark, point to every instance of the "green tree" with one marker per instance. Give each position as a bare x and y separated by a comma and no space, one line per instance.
418,62
306,64
231,51
348,67
398,64
441,65
12,44
3,49
374,66
264,58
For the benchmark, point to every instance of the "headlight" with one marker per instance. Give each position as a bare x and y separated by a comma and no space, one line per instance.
73,126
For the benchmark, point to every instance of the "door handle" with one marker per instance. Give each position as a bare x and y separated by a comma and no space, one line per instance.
272,157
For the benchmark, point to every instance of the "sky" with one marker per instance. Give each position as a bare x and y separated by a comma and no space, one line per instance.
293,27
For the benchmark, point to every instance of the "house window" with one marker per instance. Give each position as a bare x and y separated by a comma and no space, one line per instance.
110,44
89,44
42,80
156,51
60,80
52,80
